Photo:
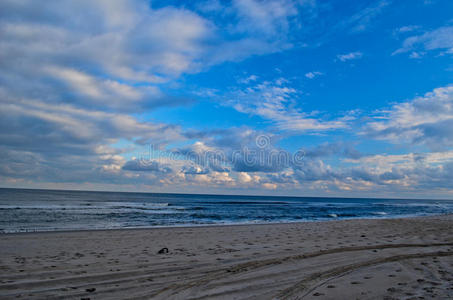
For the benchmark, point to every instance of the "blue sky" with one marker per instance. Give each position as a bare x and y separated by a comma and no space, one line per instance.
272,97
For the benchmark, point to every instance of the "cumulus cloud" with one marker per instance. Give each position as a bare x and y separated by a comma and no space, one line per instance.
194,170
238,150
412,171
426,120
146,166
75,83
68,143
78,79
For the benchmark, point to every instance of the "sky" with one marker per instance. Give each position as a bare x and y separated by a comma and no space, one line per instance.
271,97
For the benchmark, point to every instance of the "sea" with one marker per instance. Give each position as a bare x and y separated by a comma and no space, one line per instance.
26,210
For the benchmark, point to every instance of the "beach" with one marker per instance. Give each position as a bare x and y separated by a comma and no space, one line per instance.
405,258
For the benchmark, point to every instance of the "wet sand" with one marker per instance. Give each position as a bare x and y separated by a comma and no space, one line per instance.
356,259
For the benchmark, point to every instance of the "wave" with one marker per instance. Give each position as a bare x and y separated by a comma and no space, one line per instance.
245,202
380,213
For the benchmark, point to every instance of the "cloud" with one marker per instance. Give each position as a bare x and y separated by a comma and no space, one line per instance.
239,150
412,171
77,84
120,54
79,80
426,120
141,42
350,56
338,149
438,39
406,29
265,17
145,166
275,101
361,21
311,75
248,79
70,144
416,55
114,58
194,170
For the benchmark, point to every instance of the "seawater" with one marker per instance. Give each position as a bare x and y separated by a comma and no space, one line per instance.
23,210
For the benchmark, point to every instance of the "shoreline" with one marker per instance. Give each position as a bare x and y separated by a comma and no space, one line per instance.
225,225
338,259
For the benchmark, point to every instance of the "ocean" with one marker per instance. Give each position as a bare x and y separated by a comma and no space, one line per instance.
25,210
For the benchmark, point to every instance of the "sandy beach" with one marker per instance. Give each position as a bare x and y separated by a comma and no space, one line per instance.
356,259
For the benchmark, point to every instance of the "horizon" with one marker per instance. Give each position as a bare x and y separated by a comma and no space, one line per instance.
290,98
225,195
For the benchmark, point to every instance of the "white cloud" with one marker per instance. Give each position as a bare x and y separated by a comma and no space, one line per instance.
386,162
266,17
248,79
416,55
438,39
275,101
64,127
406,29
362,20
424,120
364,17
105,92
105,53
126,39
313,74
350,56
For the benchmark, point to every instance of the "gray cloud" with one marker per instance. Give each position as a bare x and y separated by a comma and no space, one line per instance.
71,79
146,166
338,149
77,77
192,170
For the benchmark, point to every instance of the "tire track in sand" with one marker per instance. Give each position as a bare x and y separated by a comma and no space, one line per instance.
174,289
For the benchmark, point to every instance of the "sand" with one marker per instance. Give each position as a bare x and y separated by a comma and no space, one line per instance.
356,259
